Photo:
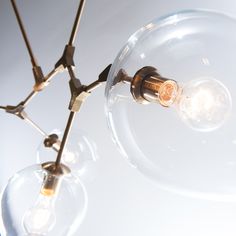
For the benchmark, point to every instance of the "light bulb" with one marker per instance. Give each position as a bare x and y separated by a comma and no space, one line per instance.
69,157
204,104
41,218
39,201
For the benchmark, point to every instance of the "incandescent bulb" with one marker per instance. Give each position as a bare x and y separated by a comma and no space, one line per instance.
69,157
41,218
39,201
204,104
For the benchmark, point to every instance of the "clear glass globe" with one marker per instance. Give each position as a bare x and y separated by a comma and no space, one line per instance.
188,147
80,153
26,211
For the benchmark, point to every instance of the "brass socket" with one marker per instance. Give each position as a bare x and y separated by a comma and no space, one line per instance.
149,86
50,184
52,178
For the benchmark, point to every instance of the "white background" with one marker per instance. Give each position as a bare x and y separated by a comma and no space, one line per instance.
121,201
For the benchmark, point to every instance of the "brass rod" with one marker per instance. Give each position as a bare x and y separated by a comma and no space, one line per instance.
55,146
71,72
50,75
35,126
33,59
65,138
93,86
76,22
29,98
3,108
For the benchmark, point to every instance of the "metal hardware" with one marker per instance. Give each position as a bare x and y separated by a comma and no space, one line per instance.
37,71
27,43
52,168
122,76
149,86
51,140
16,110
101,79
67,57
52,177
76,22
39,78
65,138
79,93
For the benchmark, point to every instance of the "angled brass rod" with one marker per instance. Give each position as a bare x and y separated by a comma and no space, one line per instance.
29,98
55,146
71,72
3,108
33,59
93,86
50,75
35,126
76,22
65,138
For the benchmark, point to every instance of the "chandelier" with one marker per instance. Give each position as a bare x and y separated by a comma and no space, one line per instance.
174,69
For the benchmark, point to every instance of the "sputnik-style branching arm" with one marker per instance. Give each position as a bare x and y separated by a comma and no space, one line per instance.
37,71
67,59
65,138
40,81
101,79
76,22
55,145
79,92
22,28
18,109
2,108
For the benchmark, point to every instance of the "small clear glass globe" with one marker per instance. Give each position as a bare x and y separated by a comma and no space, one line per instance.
80,152
26,211
167,145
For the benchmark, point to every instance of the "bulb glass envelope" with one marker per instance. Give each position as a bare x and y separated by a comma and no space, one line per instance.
184,46
22,198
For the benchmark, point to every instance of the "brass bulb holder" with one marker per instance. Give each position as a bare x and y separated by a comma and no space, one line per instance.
149,86
52,178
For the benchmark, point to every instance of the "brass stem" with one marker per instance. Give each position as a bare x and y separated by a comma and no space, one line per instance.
93,86
76,22
27,43
34,125
71,72
29,98
65,138
3,108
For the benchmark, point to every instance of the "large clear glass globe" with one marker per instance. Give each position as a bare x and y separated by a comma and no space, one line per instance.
26,211
185,150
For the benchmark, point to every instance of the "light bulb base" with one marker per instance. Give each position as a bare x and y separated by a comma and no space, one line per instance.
149,86
52,168
52,177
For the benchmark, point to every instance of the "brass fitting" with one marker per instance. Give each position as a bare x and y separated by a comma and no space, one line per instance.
149,86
